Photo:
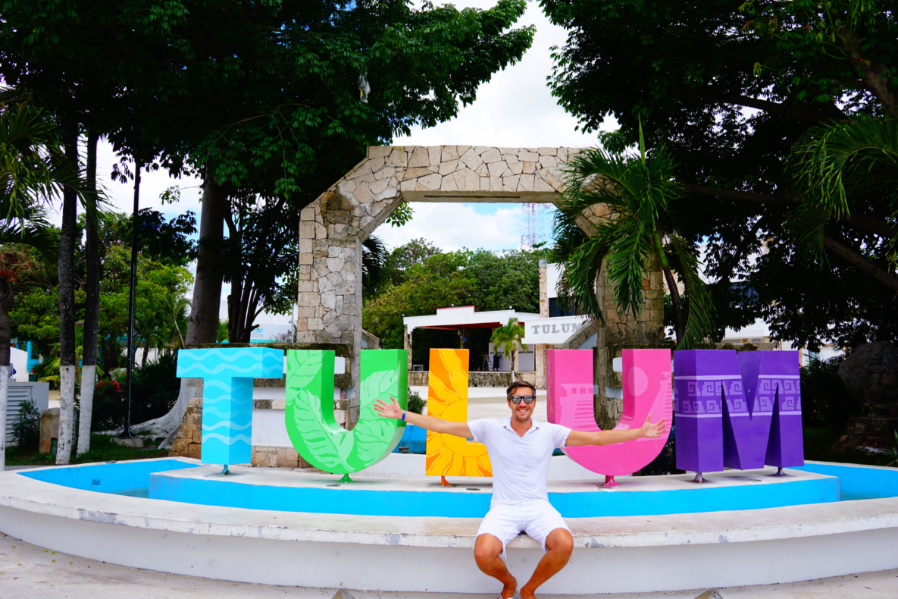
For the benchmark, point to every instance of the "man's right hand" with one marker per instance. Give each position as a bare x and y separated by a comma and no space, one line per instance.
388,410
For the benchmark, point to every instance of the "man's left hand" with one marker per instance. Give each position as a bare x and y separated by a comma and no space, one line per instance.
653,430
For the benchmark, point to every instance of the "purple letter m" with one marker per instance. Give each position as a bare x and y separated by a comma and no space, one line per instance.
737,411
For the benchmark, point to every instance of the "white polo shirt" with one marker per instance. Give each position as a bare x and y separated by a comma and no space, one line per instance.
520,464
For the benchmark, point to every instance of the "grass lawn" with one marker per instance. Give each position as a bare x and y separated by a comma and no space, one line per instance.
102,449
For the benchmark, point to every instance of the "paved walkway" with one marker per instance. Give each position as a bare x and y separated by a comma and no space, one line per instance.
29,572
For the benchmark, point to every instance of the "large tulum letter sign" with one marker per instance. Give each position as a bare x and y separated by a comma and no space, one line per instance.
646,375
736,411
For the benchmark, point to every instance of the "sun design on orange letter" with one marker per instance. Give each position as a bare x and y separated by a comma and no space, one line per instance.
447,398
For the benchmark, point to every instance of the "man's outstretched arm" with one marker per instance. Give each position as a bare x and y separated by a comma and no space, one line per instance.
649,430
431,423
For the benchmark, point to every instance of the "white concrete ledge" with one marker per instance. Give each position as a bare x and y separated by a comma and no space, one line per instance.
635,554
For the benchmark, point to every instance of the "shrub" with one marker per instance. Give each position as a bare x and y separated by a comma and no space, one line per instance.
824,400
415,403
109,406
26,430
154,389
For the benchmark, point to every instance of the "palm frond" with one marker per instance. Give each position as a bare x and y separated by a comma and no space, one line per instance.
701,316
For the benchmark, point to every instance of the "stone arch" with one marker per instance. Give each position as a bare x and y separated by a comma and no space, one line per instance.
333,227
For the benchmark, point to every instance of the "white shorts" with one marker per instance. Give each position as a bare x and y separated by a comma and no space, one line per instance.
535,518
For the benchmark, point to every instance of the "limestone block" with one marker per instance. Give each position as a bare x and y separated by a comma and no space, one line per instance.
305,272
482,171
305,246
449,184
305,259
375,164
379,151
420,171
484,184
306,230
449,153
307,286
385,173
316,324
498,169
320,230
460,150
553,178
302,323
548,151
363,193
548,161
525,183
408,185
471,159
429,183
433,155
378,186
419,157
529,167
491,155
335,264
526,156
346,186
495,184
540,184
305,311
338,308
516,167
398,158
510,183
449,166
307,299
466,179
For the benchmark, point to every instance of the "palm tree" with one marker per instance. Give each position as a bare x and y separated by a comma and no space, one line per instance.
508,338
636,194
31,173
848,171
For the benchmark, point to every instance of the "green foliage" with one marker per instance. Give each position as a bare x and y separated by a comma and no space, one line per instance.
436,284
419,278
26,430
824,400
108,407
415,403
102,449
507,339
640,231
154,390
730,88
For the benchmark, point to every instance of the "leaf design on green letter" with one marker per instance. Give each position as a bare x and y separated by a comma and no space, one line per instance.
309,410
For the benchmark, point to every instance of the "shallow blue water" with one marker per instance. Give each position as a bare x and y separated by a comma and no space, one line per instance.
148,479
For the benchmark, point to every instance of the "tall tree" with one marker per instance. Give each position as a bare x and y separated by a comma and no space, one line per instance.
32,171
731,87
638,194
507,339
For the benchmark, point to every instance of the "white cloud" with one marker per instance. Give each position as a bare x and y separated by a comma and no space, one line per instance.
454,226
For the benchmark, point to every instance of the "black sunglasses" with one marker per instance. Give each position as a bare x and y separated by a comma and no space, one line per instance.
528,399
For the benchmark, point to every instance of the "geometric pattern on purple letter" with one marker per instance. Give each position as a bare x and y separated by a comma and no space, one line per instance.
772,380
647,390
699,380
740,411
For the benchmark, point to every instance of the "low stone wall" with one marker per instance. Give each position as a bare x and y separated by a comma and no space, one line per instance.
418,378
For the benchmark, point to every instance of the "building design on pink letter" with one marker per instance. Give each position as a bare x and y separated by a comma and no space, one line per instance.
647,390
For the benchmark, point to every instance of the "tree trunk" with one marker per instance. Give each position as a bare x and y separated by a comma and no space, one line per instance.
4,397
679,319
203,324
67,359
6,304
92,307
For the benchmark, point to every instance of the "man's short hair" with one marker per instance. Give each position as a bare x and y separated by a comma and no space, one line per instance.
518,384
